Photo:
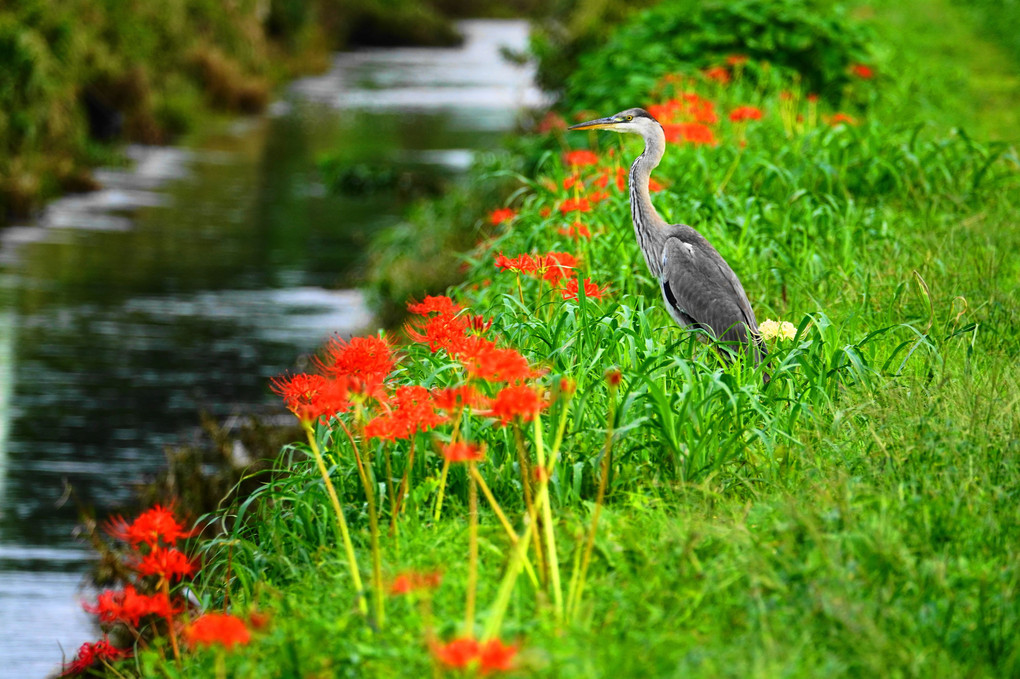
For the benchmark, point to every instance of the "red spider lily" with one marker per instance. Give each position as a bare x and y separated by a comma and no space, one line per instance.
154,525
489,656
591,289
838,118
479,323
862,71
405,583
457,653
654,185
520,401
484,360
217,628
597,196
580,158
552,121
575,205
440,332
614,377
572,180
387,427
702,111
167,563
89,654
695,133
555,265
412,411
576,230
744,113
495,656
414,403
461,451
129,606
363,361
497,217
551,266
567,385
440,304
664,112
313,397
717,73
258,621
454,399
736,59
786,95
621,179
688,107
520,264
812,98
545,212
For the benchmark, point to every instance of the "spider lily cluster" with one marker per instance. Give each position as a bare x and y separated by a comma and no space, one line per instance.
151,604
354,411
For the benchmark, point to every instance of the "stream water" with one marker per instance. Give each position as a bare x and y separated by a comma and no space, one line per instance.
193,277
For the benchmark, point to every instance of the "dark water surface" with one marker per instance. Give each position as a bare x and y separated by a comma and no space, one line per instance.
187,283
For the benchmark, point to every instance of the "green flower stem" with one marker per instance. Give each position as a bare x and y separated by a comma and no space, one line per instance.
110,668
352,562
377,578
446,470
354,449
513,569
547,522
170,624
733,166
472,578
404,481
511,533
442,489
580,575
529,500
473,470
391,491
561,427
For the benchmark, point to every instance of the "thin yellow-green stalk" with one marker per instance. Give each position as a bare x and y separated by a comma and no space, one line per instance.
580,574
352,561
547,522
511,533
472,579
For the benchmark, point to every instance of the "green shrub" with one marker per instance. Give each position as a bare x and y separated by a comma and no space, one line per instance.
815,41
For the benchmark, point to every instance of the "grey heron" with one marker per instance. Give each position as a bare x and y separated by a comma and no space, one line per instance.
698,287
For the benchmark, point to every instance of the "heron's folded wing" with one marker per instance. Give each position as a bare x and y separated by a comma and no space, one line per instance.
699,286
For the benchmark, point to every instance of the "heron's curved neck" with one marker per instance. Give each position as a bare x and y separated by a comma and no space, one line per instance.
648,225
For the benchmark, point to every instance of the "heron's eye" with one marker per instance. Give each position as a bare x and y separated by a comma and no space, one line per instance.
629,117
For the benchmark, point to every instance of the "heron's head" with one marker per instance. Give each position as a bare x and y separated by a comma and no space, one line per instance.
633,120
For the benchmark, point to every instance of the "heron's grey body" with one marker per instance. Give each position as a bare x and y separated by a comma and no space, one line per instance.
698,287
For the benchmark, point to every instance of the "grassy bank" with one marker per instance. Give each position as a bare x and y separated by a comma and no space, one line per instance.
667,515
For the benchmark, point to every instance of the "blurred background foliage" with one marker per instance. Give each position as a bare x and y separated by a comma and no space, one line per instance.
79,76
813,38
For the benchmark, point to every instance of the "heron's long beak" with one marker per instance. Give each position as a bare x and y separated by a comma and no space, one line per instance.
599,124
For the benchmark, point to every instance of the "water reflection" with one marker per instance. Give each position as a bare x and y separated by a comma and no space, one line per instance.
187,283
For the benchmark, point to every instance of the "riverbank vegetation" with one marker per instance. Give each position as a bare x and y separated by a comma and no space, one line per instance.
540,475
80,77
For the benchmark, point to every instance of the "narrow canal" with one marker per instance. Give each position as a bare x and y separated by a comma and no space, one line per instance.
189,281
